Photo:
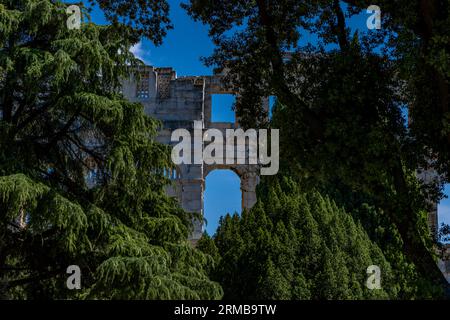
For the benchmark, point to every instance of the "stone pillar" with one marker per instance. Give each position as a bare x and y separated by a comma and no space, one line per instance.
192,185
249,181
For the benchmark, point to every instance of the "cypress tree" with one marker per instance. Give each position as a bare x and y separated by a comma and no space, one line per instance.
297,245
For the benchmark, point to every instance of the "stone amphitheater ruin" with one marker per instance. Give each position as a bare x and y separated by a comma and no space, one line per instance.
178,102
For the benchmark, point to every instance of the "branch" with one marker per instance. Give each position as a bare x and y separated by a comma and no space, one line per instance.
64,130
19,282
340,27
282,90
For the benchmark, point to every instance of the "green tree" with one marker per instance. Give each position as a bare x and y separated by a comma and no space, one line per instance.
417,33
340,100
81,176
149,18
207,245
297,245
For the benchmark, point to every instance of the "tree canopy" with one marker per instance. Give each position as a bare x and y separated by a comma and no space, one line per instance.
82,178
81,175
149,18
341,100
297,245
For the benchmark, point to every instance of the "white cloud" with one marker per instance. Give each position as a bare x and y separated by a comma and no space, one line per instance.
139,52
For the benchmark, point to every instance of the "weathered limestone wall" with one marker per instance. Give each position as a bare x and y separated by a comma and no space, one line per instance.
178,102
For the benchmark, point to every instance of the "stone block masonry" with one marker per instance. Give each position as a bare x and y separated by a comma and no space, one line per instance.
178,102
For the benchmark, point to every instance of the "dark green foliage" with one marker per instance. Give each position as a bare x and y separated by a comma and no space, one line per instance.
340,101
62,119
339,113
147,17
207,245
296,245
417,33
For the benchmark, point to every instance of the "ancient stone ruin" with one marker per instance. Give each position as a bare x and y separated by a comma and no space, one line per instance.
178,102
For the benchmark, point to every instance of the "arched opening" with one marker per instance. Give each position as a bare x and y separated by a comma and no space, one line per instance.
222,195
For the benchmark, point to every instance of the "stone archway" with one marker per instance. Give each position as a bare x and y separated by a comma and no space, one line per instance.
222,195
249,176
181,103
189,188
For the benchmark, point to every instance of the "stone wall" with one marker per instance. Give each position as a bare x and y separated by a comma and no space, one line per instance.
178,102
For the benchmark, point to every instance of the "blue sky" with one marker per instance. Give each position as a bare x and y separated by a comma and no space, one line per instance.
183,46
182,49
444,208
222,195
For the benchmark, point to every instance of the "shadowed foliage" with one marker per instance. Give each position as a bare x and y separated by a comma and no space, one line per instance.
81,176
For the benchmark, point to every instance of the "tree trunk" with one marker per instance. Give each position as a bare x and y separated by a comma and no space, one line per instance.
406,221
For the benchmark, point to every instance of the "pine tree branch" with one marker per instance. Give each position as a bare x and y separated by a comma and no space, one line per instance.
20,282
64,130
